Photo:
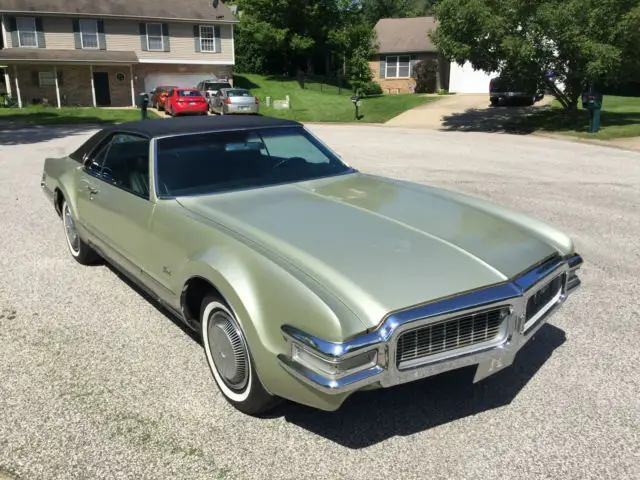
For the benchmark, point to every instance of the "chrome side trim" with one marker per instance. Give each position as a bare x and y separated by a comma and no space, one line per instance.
490,357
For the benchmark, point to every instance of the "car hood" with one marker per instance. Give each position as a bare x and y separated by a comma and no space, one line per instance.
382,245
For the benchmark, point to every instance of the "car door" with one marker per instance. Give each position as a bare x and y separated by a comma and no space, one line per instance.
115,205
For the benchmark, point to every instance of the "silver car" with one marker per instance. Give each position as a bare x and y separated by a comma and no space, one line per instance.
210,87
235,100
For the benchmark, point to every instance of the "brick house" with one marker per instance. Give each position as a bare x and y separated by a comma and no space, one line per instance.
79,53
401,44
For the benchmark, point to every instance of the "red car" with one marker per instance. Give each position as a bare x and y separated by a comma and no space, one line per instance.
160,96
185,101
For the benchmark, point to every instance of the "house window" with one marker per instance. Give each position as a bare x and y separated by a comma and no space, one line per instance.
155,40
398,66
207,38
46,79
27,31
89,33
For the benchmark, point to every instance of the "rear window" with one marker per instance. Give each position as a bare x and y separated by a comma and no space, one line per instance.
239,92
216,86
189,93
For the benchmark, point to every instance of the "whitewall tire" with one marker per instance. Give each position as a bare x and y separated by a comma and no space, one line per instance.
229,359
79,250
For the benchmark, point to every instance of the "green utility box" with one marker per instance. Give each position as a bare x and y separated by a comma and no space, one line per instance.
592,102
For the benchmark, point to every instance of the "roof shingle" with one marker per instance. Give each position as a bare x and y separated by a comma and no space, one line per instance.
402,35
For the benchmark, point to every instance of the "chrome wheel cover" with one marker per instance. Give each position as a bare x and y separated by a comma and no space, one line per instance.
228,350
70,230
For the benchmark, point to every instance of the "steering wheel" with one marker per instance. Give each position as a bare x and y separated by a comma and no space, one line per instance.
287,160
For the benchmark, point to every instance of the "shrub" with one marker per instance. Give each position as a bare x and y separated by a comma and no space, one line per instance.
371,88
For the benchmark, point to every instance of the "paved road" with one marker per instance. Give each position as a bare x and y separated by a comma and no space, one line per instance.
94,382
463,112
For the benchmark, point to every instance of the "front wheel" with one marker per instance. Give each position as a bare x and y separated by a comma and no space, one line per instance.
230,361
79,250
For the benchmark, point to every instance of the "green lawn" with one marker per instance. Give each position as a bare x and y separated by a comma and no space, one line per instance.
620,118
311,105
69,115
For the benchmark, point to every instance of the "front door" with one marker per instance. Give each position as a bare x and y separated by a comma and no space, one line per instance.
101,86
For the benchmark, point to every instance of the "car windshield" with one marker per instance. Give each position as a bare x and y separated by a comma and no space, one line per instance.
189,93
210,163
216,86
238,92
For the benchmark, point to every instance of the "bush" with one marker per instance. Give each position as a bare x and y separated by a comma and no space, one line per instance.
426,72
371,88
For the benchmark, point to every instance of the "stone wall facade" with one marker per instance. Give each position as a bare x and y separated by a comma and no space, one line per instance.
75,81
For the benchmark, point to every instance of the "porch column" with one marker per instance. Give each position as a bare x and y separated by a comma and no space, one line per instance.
133,89
15,73
93,87
7,81
55,79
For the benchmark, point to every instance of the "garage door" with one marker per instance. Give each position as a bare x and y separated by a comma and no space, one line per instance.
464,79
186,80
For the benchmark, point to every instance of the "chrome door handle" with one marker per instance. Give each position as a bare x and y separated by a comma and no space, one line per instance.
92,190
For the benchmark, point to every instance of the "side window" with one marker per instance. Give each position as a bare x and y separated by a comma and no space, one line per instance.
126,164
94,162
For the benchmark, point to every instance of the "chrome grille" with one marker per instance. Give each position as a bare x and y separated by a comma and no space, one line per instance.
543,296
459,332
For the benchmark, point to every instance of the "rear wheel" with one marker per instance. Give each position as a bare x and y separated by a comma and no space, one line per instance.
230,361
79,250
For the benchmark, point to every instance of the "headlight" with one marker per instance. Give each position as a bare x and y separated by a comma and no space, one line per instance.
333,367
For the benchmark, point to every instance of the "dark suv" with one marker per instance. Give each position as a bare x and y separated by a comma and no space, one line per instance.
503,90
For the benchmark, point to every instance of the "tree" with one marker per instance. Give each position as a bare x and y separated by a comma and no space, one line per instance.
374,10
359,71
578,41
280,36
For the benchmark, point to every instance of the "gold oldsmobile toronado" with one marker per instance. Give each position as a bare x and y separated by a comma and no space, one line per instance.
306,279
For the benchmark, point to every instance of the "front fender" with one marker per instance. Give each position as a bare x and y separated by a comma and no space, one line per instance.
264,296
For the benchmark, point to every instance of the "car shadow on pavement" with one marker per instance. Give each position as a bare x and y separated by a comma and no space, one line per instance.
506,119
368,418
154,303
21,134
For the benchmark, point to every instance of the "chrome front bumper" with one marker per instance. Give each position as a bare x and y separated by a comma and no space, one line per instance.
490,357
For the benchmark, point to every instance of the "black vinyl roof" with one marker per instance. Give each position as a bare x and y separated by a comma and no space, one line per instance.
183,125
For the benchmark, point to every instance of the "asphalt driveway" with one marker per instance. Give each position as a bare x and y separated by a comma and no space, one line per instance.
463,112
95,382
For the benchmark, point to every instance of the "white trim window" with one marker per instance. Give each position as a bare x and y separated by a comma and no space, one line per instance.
398,66
89,34
46,79
208,38
155,39
27,36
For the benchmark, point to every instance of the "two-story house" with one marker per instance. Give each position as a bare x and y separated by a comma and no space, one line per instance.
103,53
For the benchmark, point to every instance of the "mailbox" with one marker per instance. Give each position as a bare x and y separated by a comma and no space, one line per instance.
142,100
